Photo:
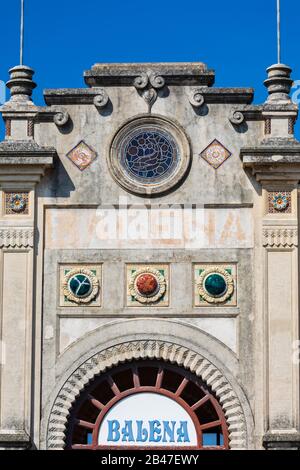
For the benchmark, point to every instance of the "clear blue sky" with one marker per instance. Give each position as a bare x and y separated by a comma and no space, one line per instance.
237,38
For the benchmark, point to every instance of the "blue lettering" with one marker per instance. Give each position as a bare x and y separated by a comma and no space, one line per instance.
113,430
168,430
154,431
182,432
127,434
142,433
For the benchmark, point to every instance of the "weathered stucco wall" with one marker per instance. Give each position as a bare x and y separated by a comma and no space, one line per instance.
232,205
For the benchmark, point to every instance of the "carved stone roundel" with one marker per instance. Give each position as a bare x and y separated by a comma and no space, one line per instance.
149,155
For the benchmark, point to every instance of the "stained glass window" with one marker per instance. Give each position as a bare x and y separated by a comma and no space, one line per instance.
149,154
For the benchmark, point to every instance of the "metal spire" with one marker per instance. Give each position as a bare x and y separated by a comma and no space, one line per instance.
22,33
278,34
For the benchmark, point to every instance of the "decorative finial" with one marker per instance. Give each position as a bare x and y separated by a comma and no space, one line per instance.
279,82
278,34
21,83
22,33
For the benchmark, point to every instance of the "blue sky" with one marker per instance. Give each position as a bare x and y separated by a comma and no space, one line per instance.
64,37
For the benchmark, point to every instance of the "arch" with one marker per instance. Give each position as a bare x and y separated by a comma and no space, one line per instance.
147,349
136,379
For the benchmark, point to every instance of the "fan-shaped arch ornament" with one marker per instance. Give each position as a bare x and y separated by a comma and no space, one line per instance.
153,350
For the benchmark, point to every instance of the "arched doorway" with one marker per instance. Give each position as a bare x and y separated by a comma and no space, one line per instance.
147,404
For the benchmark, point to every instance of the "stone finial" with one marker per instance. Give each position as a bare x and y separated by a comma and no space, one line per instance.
21,84
279,83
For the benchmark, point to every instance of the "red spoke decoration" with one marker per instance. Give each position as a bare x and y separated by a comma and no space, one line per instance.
181,387
159,378
190,392
85,424
212,424
136,378
96,402
201,402
113,385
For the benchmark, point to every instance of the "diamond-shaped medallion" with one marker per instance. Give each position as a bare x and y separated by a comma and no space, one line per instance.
215,154
82,155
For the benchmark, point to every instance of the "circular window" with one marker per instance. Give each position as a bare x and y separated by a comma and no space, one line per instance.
145,404
149,155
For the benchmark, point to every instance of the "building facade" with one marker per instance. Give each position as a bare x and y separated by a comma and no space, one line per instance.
149,262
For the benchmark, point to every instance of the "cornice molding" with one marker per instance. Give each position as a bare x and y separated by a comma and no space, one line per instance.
14,237
280,237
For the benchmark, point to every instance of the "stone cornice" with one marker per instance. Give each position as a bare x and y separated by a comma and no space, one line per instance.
69,96
181,73
24,161
211,95
26,149
274,159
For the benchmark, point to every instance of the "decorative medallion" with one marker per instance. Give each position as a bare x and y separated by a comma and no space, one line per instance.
16,203
149,155
80,285
279,201
215,285
147,285
215,154
82,155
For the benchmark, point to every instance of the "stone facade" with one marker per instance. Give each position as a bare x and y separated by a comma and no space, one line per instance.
93,276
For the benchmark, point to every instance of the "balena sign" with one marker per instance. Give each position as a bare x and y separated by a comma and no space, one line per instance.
147,419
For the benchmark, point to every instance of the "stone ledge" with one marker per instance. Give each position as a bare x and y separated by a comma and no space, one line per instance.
14,440
179,73
281,441
23,152
273,159
212,95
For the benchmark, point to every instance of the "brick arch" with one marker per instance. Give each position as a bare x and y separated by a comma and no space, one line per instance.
147,349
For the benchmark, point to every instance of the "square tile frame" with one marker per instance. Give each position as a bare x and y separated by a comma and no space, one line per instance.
96,269
231,268
164,268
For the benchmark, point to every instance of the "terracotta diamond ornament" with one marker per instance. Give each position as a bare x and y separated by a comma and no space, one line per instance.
82,155
215,154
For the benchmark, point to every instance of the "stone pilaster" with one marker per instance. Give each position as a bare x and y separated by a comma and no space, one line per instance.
22,164
276,165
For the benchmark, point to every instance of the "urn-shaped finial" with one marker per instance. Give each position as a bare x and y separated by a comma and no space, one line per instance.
21,84
279,83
